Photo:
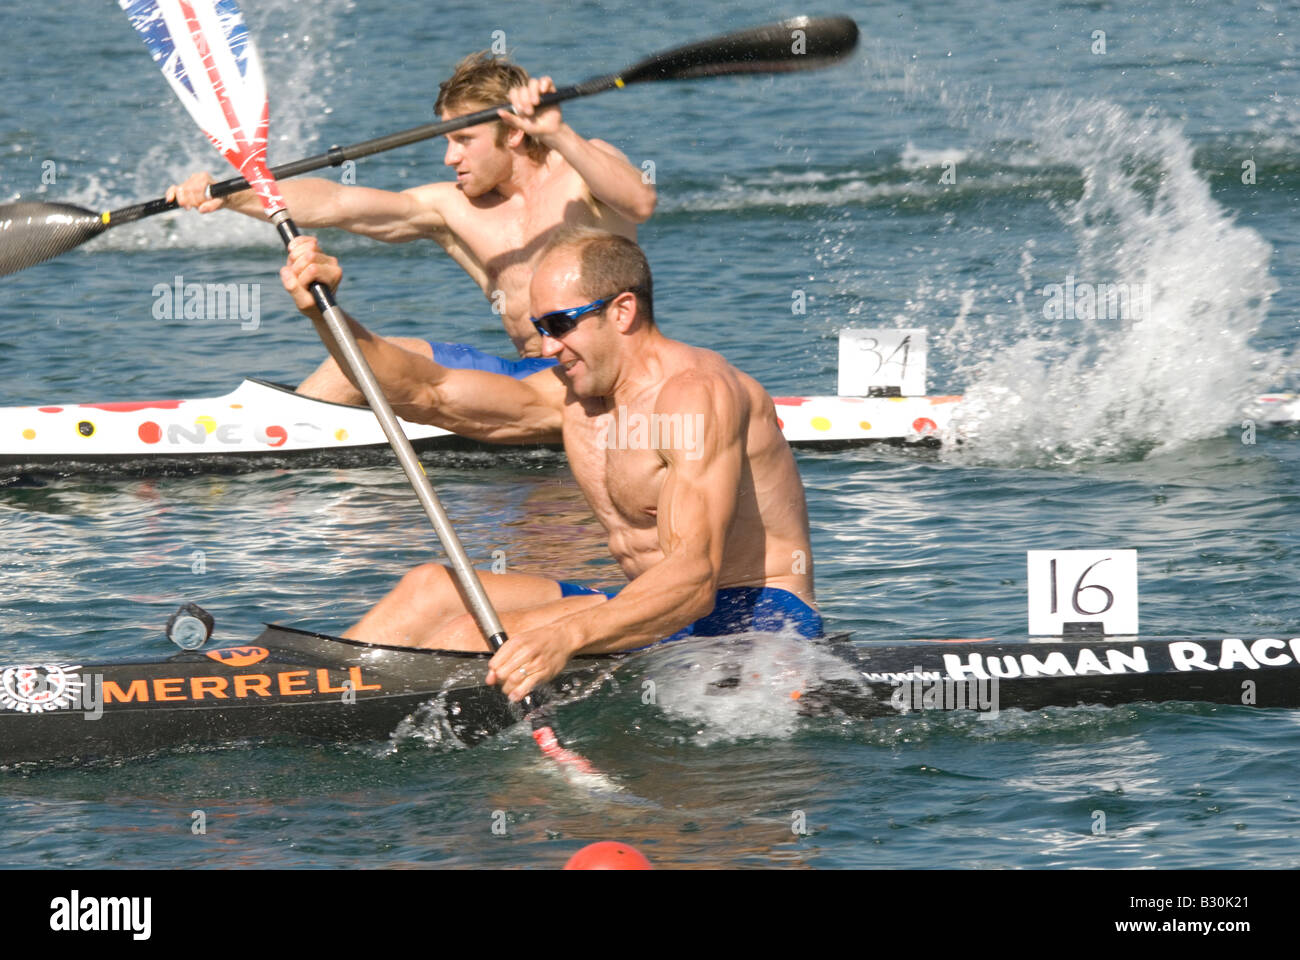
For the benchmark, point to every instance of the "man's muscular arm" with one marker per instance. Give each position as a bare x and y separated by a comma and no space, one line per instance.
696,505
609,177
314,202
485,406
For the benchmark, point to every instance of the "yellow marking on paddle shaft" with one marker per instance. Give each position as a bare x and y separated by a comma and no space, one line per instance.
105,216
618,82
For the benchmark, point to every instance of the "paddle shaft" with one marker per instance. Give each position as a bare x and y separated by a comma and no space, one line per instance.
337,156
466,576
32,232
767,49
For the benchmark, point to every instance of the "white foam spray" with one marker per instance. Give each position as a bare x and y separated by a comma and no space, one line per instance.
742,687
1044,388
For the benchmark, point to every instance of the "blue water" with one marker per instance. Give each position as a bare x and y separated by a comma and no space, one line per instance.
1124,166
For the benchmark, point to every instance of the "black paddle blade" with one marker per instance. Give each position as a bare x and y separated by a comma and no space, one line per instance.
33,232
800,43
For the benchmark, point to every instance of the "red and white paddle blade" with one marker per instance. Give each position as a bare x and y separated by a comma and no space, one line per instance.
207,56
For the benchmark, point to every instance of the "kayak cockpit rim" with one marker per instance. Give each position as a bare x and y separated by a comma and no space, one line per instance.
436,651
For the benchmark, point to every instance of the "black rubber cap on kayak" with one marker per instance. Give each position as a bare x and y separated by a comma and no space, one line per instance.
190,626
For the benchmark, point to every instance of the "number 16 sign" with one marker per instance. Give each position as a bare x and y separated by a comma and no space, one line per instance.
1083,587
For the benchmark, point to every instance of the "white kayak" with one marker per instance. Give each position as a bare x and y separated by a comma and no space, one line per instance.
265,421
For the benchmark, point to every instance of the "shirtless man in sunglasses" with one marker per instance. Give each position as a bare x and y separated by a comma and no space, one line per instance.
679,454
517,181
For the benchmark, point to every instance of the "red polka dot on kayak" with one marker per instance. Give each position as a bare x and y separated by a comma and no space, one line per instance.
274,436
150,432
924,425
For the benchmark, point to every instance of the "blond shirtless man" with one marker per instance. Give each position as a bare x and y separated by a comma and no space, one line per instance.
517,182
707,521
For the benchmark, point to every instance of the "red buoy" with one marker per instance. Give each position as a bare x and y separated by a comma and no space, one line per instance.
608,855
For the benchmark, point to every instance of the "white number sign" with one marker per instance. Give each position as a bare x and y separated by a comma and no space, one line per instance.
883,360
1083,587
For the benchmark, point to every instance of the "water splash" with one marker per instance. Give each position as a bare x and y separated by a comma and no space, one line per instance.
1052,386
430,726
742,687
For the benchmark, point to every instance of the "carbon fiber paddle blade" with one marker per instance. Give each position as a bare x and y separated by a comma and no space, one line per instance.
800,43
33,232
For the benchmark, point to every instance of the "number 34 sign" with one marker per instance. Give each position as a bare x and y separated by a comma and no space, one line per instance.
1083,586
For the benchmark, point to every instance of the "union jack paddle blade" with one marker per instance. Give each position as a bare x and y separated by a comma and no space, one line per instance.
207,56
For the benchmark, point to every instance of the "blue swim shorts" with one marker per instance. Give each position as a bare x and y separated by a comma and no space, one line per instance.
461,356
739,610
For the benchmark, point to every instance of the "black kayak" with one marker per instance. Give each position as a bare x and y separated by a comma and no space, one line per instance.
286,683
303,685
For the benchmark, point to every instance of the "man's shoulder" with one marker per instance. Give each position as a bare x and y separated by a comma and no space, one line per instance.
433,194
692,364
564,179
424,208
698,376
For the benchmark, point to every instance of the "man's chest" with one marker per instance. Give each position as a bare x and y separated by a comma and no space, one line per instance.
616,465
507,237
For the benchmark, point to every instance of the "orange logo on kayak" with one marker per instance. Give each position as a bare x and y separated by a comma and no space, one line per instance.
238,656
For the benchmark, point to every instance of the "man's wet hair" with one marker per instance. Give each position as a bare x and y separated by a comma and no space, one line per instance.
608,265
483,80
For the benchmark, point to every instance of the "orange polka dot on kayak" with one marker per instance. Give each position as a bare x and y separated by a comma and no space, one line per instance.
924,425
29,434
820,423
780,424
149,432
50,409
